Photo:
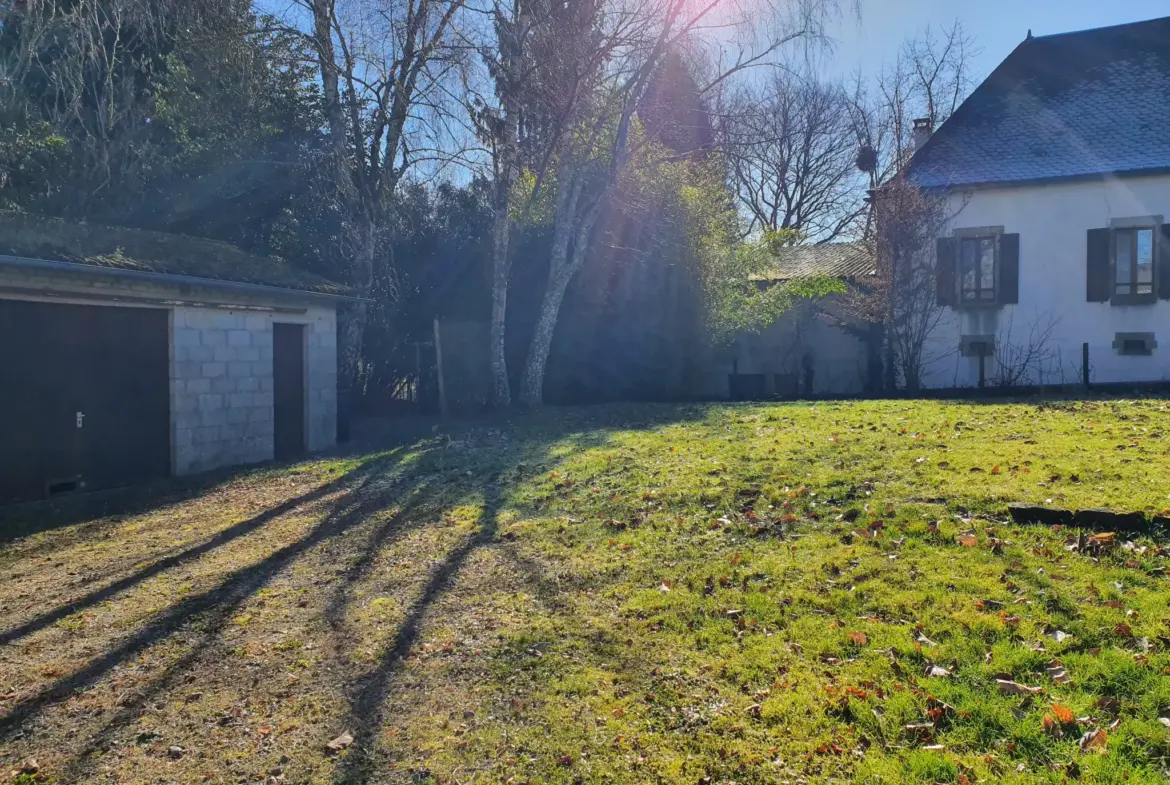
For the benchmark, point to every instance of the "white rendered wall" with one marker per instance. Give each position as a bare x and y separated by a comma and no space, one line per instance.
1052,221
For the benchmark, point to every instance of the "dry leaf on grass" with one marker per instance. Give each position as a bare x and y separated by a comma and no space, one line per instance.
937,671
967,540
860,638
1057,672
339,744
1095,740
1007,687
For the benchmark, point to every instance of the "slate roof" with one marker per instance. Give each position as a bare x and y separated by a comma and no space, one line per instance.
1072,105
113,247
838,260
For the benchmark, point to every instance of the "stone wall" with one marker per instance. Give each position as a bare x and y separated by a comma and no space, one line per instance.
222,385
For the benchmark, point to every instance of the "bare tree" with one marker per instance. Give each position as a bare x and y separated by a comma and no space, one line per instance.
383,66
595,134
931,76
928,81
897,306
790,149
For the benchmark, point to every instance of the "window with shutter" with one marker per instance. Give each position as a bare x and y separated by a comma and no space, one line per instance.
1098,288
945,271
1009,269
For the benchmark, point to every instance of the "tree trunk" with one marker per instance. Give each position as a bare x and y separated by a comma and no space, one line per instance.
501,390
532,385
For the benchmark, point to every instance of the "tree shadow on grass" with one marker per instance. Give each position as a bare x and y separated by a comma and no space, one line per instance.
363,497
367,706
364,500
220,614
234,532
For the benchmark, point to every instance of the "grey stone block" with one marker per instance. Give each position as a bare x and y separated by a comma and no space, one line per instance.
259,413
248,353
187,370
213,337
222,354
237,415
211,370
205,435
210,401
248,384
196,386
255,323
239,369
239,338
213,417
186,336
261,368
254,429
240,400
200,353
183,437
222,384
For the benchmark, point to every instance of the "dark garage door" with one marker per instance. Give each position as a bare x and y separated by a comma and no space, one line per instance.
85,398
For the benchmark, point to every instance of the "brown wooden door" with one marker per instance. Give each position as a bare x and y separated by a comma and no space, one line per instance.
288,373
86,399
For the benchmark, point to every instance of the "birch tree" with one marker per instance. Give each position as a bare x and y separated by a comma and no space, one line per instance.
596,132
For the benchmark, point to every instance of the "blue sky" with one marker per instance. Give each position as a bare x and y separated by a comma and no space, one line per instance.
997,25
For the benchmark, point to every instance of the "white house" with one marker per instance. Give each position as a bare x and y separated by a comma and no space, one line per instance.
1056,174
132,355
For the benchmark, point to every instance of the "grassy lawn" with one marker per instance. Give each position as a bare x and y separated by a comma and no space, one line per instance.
698,594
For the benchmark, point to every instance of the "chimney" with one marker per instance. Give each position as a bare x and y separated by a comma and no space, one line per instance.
923,128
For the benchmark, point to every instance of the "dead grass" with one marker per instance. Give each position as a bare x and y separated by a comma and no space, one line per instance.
721,594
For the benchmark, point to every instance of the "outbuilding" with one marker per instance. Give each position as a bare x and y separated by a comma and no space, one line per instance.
131,355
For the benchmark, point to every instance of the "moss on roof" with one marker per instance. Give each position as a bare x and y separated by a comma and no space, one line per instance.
113,247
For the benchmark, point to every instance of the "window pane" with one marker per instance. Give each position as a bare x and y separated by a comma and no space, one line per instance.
1145,259
1123,288
987,252
970,253
1124,259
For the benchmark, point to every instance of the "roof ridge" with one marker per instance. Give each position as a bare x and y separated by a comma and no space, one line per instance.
1098,29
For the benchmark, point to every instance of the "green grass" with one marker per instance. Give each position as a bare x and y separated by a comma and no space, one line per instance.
723,594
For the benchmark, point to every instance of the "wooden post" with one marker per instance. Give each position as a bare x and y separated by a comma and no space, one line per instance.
439,368
1085,364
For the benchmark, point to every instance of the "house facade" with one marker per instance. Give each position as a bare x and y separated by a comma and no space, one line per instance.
134,355
815,349
1056,247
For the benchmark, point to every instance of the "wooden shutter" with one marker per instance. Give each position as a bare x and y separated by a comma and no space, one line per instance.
945,271
1009,269
1162,267
1099,281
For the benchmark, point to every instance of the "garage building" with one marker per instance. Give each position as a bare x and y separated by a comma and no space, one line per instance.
129,355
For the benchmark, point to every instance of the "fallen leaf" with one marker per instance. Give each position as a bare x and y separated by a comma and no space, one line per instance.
1007,687
1095,740
921,639
967,540
937,671
1059,635
1057,672
340,743
860,638
1063,714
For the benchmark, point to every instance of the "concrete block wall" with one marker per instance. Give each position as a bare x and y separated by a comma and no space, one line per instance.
222,385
